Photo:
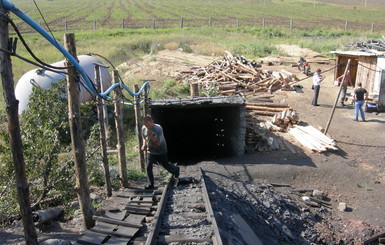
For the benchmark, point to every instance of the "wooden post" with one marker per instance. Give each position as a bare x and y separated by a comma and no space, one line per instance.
338,95
209,21
121,146
372,28
94,25
12,107
139,127
346,25
102,129
153,24
194,91
263,23
77,142
65,25
181,22
291,24
145,103
123,23
237,23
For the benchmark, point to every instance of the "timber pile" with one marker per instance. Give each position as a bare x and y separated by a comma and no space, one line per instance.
236,74
313,139
283,121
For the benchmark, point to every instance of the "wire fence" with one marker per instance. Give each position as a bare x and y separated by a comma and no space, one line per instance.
275,22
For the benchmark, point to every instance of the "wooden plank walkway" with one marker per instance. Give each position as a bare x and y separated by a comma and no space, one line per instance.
120,219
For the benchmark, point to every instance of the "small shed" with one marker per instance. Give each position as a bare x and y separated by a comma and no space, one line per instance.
366,67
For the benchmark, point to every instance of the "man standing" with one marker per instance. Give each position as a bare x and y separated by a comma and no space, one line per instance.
360,95
347,82
155,143
317,79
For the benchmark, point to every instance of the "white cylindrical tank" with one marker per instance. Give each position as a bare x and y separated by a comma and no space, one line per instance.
45,78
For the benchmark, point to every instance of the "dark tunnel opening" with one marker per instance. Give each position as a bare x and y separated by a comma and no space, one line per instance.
202,132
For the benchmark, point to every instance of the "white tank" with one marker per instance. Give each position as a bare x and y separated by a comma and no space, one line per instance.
45,78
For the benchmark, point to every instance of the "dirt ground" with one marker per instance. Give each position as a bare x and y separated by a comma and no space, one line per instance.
353,174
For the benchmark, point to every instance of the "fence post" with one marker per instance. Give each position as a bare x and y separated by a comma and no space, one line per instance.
237,23
153,24
77,141
120,146
102,130
94,25
123,23
372,29
346,25
209,21
139,128
15,140
65,25
181,22
291,24
263,23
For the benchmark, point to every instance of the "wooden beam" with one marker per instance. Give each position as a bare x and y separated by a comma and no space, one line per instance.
77,142
12,107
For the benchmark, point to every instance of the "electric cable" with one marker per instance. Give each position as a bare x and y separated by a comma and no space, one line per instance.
29,50
32,62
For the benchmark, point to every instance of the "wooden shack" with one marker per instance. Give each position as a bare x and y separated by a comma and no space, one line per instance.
366,67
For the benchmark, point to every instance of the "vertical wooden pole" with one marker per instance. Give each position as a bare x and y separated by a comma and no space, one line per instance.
263,23
372,28
121,147
194,90
291,24
94,25
145,103
77,142
338,95
12,107
102,130
346,25
209,21
153,24
237,23
139,127
65,26
181,22
123,23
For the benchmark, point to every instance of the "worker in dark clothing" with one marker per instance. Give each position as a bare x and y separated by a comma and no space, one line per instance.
156,146
360,95
344,86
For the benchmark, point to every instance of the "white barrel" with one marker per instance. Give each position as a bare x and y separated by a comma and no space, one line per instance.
45,78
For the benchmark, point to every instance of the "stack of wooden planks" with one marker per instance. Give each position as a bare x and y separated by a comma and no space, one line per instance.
313,139
236,74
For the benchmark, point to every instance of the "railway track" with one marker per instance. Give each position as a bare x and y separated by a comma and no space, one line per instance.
177,213
184,215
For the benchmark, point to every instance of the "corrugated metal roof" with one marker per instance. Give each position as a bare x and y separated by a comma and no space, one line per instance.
358,53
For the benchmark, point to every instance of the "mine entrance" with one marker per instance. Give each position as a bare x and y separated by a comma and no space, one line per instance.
201,128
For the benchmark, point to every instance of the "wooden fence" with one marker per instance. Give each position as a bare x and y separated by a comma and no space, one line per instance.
274,22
